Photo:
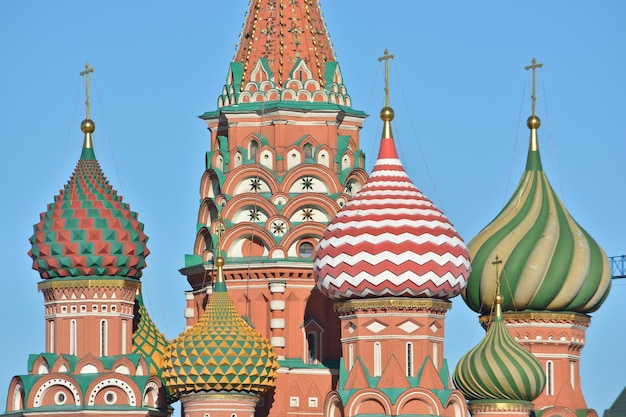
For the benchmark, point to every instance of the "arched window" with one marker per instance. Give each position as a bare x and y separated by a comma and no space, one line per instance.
103,338
409,359
308,151
549,378
254,147
377,360
73,337
311,340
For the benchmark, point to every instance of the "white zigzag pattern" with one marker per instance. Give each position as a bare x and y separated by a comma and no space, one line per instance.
397,280
370,191
397,259
388,161
398,239
393,174
360,212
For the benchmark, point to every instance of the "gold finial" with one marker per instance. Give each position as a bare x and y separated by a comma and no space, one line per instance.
386,58
499,299
386,114
219,260
533,67
88,70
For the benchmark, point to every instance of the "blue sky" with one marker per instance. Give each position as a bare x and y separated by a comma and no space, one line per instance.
458,88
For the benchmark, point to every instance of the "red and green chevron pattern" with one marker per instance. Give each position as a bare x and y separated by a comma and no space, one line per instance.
88,230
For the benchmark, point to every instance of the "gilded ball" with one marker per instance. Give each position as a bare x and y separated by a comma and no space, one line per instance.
87,126
533,122
499,299
219,261
386,114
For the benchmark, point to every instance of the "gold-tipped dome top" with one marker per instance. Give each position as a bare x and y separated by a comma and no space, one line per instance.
550,262
498,368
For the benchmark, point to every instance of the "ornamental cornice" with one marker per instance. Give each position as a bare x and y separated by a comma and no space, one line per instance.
377,304
541,317
56,284
486,406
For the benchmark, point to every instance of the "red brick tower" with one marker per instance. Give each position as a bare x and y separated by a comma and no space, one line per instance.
392,261
103,352
284,157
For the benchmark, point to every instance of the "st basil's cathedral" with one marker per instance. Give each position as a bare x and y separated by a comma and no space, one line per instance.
315,287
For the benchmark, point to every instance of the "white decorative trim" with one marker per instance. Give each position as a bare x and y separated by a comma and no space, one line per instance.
52,382
132,400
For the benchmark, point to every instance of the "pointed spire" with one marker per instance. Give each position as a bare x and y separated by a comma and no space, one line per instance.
533,123
87,126
284,32
387,146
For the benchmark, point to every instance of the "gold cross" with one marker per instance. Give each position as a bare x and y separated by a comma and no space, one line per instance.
88,69
534,66
497,263
386,58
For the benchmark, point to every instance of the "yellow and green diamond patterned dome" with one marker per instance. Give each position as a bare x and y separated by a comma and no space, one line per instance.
220,353
148,341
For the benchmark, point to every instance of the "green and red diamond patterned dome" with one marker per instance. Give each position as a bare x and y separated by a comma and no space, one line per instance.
88,230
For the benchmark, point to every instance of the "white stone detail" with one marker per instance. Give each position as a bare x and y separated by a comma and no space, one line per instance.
277,341
277,323
277,305
376,327
409,326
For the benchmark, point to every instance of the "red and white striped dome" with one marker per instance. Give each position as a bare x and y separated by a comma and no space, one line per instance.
390,240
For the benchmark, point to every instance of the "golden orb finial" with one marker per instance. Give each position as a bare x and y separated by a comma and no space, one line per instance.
386,114
533,122
87,126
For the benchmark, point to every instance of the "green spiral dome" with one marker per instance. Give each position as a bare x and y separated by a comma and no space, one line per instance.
499,368
550,263
220,353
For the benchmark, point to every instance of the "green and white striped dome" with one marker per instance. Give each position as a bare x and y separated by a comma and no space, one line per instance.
550,263
499,368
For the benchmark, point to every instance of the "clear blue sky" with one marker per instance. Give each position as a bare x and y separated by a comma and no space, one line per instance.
458,87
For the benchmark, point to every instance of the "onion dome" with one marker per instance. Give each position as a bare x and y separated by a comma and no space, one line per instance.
390,240
550,262
148,341
499,368
88,230
221,352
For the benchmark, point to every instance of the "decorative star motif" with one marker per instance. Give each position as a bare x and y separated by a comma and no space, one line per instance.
278,228
307,214
307,183
254,215
255,184
349,188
